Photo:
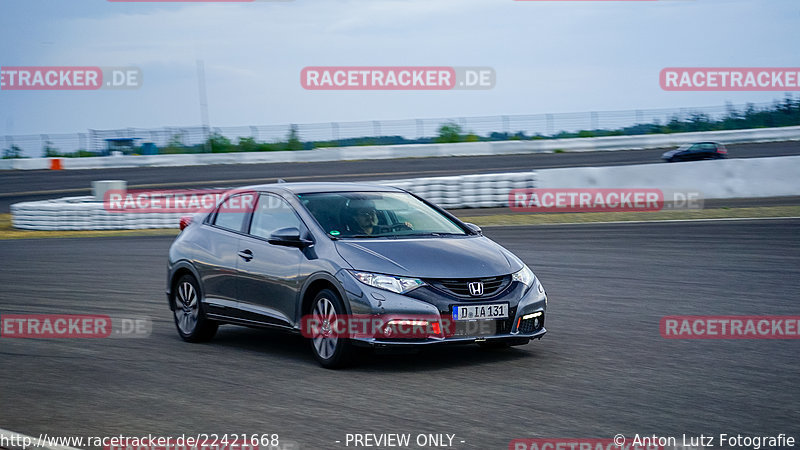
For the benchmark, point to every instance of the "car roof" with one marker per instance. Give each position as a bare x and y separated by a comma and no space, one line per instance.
309,188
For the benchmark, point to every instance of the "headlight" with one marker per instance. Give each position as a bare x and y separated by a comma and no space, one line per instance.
524,276
400,285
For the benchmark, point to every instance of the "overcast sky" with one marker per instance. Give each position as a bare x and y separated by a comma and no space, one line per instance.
549,56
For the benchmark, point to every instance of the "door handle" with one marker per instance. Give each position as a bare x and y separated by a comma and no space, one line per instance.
247,255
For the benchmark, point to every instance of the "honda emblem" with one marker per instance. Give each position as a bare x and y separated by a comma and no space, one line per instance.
476,288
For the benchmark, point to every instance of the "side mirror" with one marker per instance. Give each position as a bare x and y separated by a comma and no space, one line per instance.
289,237
473,228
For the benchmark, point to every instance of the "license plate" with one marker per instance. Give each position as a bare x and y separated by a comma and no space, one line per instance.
480,312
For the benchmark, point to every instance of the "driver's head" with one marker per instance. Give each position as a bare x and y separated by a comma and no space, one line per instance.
364,213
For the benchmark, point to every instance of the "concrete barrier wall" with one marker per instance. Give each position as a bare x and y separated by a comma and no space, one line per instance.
25,164
727,178
610,143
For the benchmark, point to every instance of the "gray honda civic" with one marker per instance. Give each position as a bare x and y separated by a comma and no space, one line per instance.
348,265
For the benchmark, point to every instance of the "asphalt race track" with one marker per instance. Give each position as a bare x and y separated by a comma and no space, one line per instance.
602,369
19,186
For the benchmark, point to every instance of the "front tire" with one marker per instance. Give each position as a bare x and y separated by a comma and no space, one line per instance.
189,313
330,350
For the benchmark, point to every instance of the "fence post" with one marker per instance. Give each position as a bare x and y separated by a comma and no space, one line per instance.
207,138
92,140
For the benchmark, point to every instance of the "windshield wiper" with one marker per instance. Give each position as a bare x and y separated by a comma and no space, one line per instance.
433,233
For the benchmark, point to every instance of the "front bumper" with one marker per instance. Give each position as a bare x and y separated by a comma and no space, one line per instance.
510,339
526,314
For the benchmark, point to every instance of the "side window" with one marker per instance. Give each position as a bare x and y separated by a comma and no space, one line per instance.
272,213
232,212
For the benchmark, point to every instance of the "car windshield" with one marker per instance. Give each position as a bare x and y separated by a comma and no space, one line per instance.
377,214
684,147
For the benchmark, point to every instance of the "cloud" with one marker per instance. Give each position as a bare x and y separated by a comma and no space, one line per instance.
549,56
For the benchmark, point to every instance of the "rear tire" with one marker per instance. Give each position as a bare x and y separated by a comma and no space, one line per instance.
189,312
331,351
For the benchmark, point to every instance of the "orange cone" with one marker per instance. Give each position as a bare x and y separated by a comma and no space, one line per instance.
55,164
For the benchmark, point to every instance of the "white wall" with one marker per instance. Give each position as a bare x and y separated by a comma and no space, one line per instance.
726,178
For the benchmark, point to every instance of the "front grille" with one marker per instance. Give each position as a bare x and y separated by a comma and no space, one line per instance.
504,326
460,287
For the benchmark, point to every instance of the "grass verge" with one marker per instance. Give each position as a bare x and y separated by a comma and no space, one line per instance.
9,232
559,218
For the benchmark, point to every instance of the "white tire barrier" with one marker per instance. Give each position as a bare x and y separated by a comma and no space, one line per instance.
467,191
86,213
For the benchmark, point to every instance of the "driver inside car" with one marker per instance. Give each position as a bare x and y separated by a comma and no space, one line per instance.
364,220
